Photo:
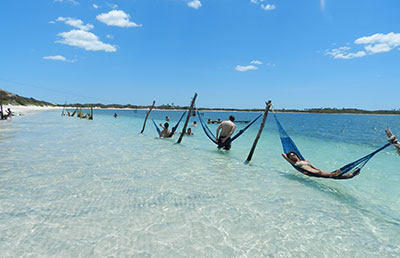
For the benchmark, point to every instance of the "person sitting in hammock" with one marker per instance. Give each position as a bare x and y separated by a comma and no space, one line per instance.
165,133
310,170
227,128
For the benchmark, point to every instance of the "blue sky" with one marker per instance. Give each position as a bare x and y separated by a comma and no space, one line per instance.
233,53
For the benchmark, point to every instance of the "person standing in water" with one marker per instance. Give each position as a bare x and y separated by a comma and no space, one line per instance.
1,112
9,113
226,128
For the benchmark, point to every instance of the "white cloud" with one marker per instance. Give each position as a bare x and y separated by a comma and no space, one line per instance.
268,7
256,62
378,48
109,36
342,53
74,2
350,55
112,6
86,40
116,18
245,68
75,23
95,6
52,22
374,44
379,43
57,58
252,66
196,4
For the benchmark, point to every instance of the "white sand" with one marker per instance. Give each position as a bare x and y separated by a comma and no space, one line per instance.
24,110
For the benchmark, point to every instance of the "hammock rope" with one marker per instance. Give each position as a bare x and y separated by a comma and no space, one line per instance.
289,146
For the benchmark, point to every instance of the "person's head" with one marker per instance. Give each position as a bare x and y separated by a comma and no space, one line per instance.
166,125
209,120
194,122
232,118
293,156
189,130
219,120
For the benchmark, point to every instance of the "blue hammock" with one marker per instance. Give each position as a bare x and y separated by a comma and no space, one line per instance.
212,137
173,128
289,146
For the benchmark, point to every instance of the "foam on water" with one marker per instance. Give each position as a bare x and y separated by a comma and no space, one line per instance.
79,188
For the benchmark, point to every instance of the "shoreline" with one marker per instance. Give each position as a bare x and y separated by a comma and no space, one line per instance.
24,110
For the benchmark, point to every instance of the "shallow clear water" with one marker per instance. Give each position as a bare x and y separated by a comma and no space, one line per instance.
79,188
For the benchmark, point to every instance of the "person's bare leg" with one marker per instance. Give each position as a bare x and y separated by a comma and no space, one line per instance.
353,174
336,173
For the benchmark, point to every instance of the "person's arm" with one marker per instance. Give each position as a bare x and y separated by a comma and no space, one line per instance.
218,129
287,159
161,125
231,132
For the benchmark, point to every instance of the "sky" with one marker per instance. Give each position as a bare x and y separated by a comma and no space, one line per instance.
233,53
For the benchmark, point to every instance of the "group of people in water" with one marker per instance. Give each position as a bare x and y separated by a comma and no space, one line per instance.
80,114
167,133
225,131
218,121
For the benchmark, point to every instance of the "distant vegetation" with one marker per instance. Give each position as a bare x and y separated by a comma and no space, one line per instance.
312,110
13,99
344,111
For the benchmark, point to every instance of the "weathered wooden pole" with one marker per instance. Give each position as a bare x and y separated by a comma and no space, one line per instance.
147,115
91,114
253,148
393,140
187,118
1,111
63,111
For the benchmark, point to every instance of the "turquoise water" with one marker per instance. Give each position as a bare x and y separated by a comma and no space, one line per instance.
79,188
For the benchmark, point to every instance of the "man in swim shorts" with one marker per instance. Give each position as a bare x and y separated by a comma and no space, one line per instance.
226,128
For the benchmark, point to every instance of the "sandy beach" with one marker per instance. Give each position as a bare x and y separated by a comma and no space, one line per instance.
24,110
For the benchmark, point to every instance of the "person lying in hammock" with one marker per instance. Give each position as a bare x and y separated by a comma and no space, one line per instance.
310,170
165,133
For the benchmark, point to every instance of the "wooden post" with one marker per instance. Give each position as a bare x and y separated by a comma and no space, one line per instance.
147,115
1,111
63,111
393,140
187,118
253,148
91,114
